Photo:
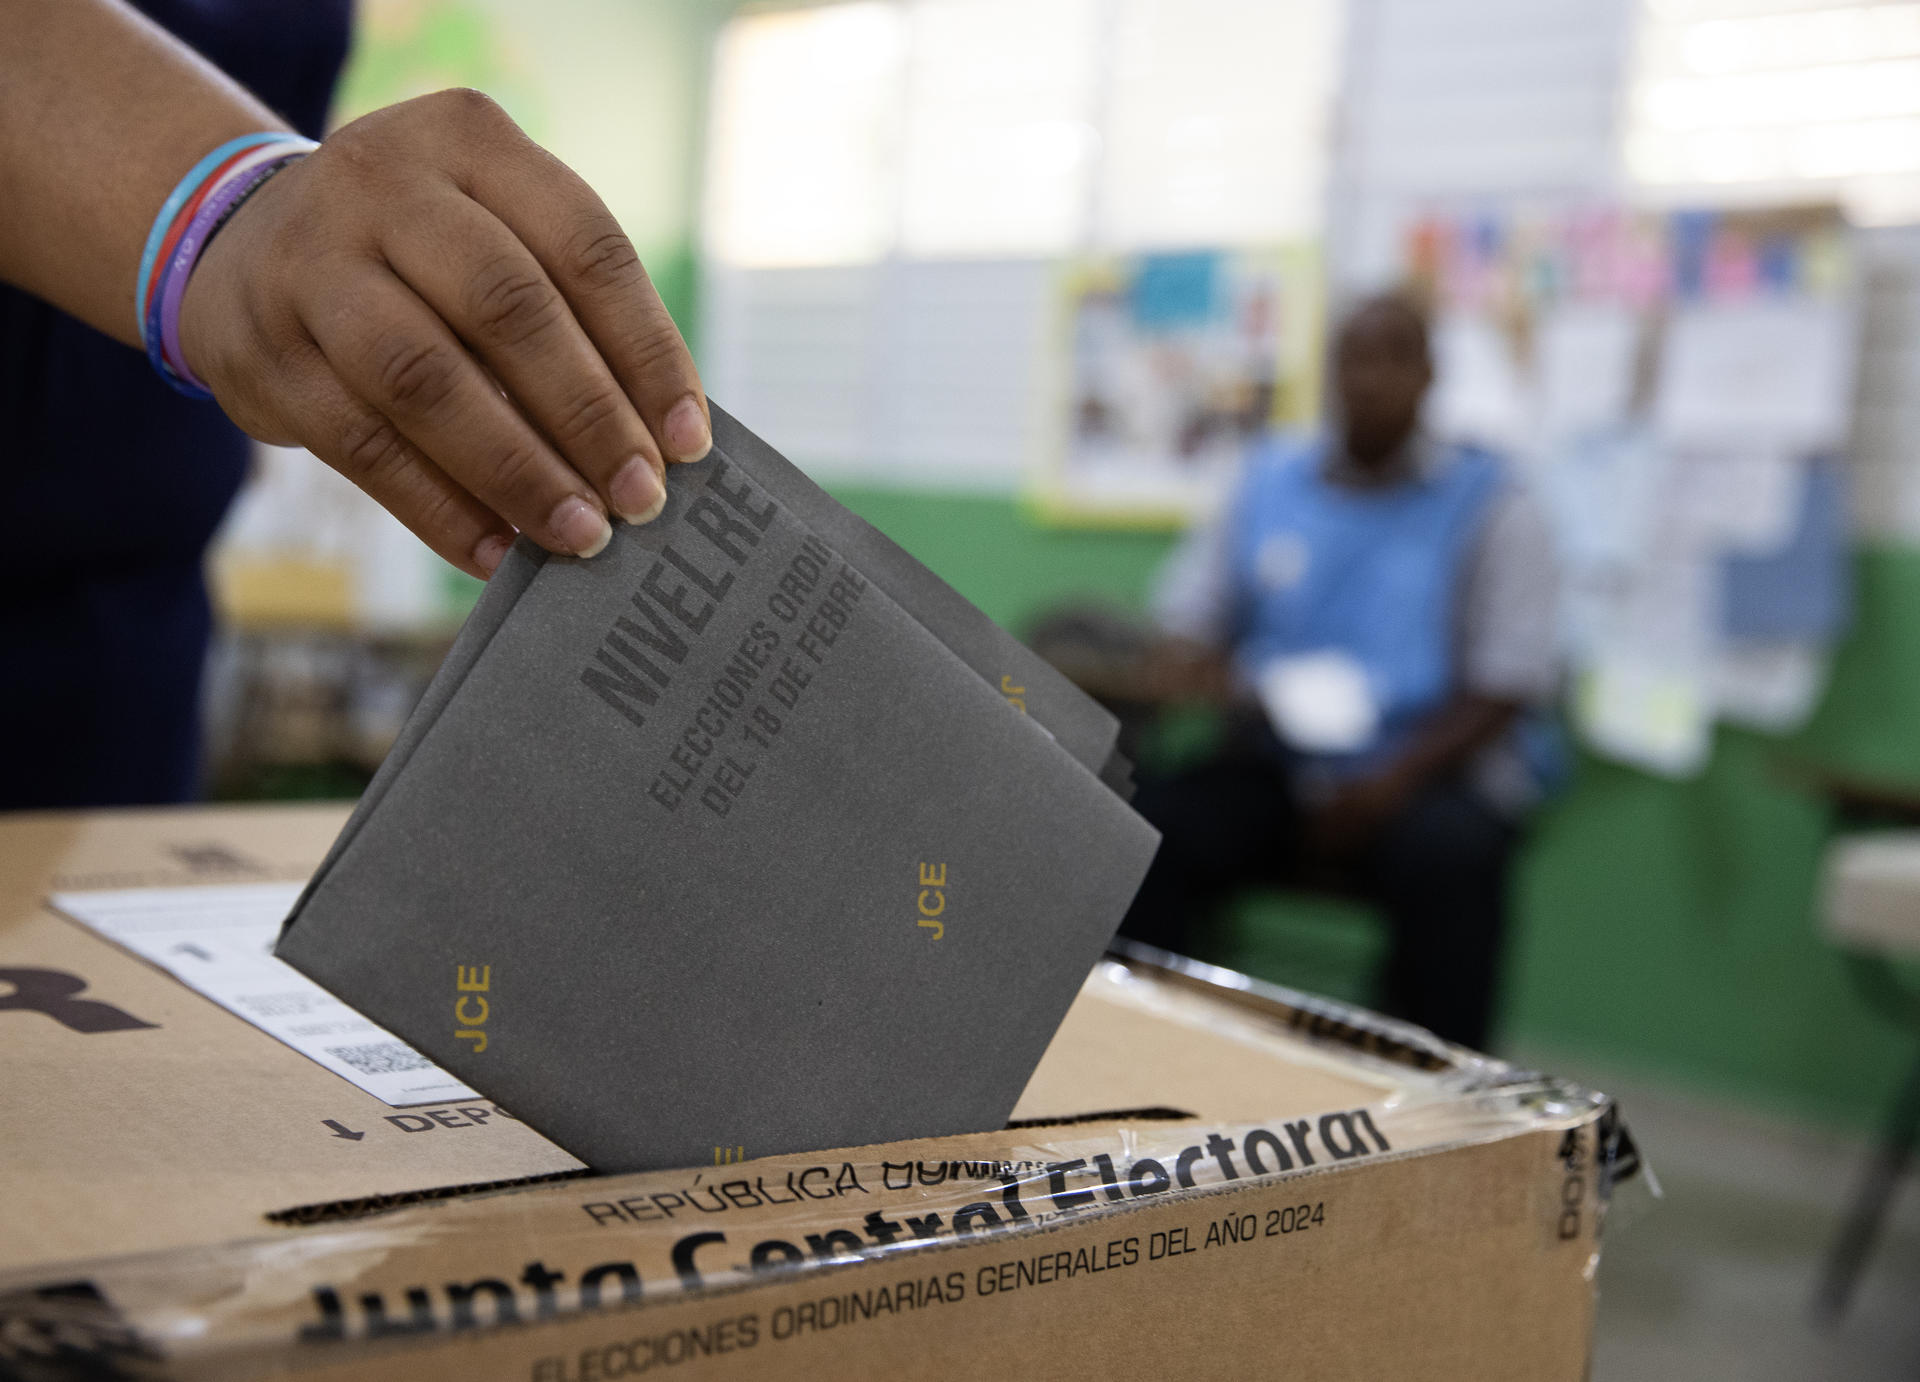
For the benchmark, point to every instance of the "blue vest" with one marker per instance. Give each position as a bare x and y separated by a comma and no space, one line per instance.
1373,573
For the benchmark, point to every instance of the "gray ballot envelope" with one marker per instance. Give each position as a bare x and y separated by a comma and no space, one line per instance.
708,843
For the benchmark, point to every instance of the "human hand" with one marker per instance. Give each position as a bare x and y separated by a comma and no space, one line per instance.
447,315
1349,820
1176,670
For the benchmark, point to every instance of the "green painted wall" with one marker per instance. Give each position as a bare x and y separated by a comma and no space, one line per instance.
1666,927
1011,566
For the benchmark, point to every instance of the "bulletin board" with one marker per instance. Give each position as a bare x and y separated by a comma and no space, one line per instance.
1679,386
1169,364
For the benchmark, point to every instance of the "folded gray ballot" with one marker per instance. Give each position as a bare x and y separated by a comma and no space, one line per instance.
707,845
1084,727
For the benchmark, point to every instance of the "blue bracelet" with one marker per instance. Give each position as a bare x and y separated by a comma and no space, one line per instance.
170,208
162,326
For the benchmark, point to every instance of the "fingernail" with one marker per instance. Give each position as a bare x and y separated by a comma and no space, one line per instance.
581,528
490,551
687,434
636,492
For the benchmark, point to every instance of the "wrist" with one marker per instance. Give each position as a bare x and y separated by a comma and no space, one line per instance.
188,221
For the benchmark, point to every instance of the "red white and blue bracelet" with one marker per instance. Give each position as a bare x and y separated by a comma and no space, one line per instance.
189,219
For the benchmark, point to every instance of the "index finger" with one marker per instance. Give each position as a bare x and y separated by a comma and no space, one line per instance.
593,263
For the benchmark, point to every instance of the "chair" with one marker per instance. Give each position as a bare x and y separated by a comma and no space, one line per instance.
1871,904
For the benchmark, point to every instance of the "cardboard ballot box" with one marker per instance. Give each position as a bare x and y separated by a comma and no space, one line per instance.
1203,1173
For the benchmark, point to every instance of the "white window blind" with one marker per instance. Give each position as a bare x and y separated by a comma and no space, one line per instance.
1000,142
1779,98
1217,122
938,129
803,148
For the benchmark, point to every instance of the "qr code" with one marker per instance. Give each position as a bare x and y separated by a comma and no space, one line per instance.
380,1057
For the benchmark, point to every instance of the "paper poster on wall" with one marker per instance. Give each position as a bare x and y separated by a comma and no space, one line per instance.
1799,587
1173,363
1664,610
1733,498
1770,686
1650,715
1604,493
1672,382
1586,356
1478,392
1770,371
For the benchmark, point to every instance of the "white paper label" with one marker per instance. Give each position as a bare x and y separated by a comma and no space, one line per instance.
218,941
1319,702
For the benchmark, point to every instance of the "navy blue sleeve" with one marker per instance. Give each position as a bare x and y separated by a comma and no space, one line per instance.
111,486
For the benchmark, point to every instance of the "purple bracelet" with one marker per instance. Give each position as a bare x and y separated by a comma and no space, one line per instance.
163,313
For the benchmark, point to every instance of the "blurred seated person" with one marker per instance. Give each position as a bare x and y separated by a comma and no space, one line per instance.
1375,609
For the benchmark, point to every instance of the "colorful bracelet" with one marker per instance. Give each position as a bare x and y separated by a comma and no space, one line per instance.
189,219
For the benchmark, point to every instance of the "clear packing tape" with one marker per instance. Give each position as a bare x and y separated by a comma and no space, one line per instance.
627,1242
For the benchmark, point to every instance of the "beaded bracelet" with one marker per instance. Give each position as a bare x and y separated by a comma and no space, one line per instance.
189,219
